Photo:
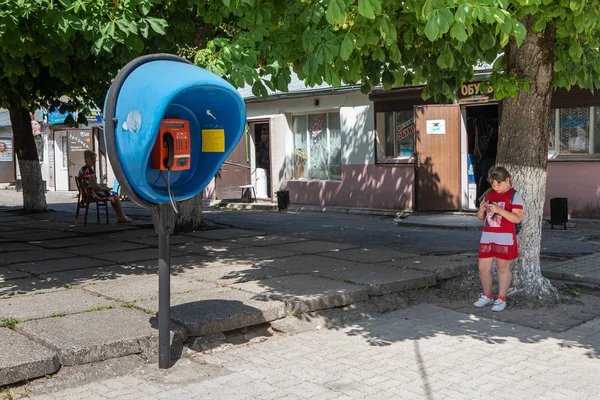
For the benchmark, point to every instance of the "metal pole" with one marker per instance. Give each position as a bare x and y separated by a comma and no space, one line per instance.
164,216
164,301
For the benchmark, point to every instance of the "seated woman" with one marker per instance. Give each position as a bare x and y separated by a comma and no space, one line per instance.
96,191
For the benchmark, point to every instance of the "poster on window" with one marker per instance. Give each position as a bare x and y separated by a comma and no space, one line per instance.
318,124
406,128
6,152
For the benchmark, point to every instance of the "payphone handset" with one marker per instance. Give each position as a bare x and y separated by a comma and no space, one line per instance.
171,150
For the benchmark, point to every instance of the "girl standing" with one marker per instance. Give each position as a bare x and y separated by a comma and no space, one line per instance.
500,210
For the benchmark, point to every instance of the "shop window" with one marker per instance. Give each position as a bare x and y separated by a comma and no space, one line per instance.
317,146
574,131
395,134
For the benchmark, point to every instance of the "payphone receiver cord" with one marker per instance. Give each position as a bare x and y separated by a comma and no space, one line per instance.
168,183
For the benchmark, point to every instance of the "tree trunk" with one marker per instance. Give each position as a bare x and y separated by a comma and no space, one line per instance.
34,192
189,217
523,150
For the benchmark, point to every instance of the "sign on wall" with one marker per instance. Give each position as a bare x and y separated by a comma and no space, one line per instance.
436,127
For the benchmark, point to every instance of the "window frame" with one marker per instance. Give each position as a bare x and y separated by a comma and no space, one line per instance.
381,145
560,156
307,137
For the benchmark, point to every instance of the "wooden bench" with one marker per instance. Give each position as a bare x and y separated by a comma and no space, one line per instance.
248,194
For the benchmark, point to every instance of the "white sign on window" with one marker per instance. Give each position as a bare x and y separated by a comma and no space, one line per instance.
436,127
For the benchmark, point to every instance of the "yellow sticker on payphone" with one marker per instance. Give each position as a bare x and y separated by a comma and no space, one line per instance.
213,140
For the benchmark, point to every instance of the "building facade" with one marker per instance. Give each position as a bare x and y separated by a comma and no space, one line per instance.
392,150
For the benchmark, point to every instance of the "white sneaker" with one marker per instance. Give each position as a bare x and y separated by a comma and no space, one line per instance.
483,301
499,305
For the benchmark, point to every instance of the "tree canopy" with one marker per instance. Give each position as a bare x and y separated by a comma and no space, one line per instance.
73,48
438,42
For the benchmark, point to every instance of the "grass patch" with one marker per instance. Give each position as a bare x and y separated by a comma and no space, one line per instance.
57,314
129,304
9,323
99,308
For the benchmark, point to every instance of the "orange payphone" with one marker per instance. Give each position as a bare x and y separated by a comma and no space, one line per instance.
171,150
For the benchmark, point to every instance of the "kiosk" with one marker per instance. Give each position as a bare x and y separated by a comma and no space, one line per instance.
168,127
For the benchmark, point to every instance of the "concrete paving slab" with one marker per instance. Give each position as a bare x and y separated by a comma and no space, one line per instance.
132,289
180,263
306,293
25,286
205,312
126,257
7,230
95,336
209,248
251,254
16,246
7,273
173,240
59,264
23,359
92,227
228,273
373,255
313,247
582,269
28,235
265,240
444,267
104,247
11,217
380,279
304,264
46,305
67,242
134,233
227,233
33,255
98,274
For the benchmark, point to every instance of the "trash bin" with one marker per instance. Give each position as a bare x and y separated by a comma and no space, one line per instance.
559,212
283,199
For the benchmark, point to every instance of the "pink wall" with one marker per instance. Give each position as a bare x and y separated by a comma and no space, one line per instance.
365,186
577,181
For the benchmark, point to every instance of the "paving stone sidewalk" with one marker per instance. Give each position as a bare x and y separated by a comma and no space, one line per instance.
76,295
421,352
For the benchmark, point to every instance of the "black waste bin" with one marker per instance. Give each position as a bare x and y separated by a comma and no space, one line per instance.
559,212
283,199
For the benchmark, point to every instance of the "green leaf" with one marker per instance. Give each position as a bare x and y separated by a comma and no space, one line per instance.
487,42
540,24
368,8
388,80
445,18
336,12
145,8
520,31
432,29
445,59
347,47
575,51
458,32
462,12
157,25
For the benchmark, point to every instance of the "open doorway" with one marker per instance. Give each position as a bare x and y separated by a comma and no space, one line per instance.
261,136
482,139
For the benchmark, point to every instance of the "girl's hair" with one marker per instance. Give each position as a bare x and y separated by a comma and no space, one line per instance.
89,153
498,174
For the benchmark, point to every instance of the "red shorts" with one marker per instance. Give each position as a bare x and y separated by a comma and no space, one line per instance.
503,252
